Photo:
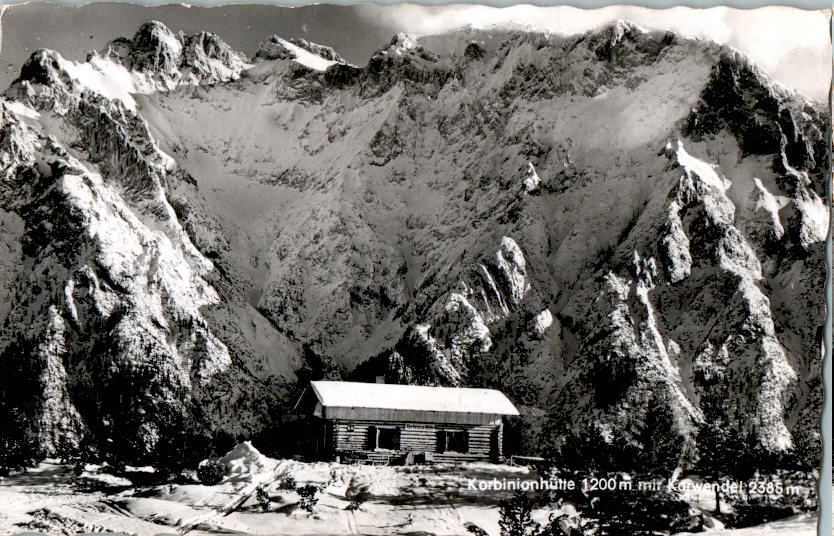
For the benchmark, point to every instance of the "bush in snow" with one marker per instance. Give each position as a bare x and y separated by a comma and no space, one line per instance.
184,441
356,492
332,479
17,451
17,454
757,510
642,513
475,529
517,516
308,495
517,520
567,525
116,466
355,503
211,471
86,452
263,498
288,484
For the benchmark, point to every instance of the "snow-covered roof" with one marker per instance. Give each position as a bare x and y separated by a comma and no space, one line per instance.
387,396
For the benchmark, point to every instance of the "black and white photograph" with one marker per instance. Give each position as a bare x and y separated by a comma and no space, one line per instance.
412,270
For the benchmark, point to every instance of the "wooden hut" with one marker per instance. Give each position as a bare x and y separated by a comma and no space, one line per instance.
387,423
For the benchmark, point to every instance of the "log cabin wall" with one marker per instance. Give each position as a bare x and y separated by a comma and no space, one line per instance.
336,413
354,436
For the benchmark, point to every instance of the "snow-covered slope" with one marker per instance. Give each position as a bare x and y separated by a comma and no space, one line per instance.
303,52
113,313
621,228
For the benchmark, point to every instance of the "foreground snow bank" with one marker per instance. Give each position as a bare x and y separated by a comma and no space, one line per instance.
245,463
801,525
433,500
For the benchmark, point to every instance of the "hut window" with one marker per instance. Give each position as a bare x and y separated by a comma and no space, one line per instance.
452,441
384,438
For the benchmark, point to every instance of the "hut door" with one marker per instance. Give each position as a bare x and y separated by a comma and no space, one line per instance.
457,441
372,437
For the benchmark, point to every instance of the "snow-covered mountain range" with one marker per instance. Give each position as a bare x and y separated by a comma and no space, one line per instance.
622,229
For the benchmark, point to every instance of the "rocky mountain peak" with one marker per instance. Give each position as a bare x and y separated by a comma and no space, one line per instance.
273,48
404,60
44,67
172,58
207,58
401,42
738,91
155,48
624,45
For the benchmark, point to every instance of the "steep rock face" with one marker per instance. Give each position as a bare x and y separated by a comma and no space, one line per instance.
702,257
458,324
620,228
629,373
108,296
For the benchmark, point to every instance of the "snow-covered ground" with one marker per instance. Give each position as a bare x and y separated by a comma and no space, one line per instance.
801,525
399,500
